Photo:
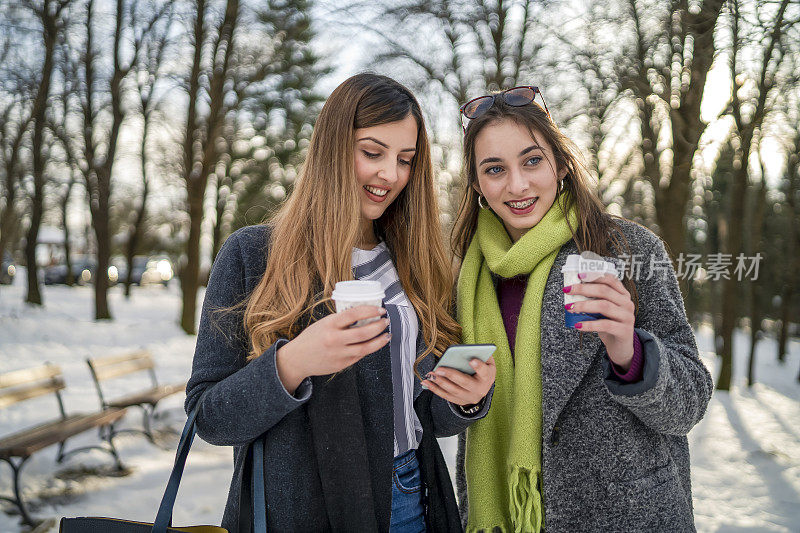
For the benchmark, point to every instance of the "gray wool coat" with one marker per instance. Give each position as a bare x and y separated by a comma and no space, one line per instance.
307,473
615,457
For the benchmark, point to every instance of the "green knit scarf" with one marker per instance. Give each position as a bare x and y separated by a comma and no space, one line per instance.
504,449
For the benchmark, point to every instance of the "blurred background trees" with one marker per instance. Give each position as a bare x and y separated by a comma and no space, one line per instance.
158,127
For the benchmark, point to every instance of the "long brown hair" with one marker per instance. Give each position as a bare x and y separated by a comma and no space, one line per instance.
597,230
314,232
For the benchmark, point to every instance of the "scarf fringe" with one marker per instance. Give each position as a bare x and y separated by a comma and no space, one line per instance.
526,501
526,509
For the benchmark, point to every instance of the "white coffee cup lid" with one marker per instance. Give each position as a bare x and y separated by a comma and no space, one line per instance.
577,263
358,290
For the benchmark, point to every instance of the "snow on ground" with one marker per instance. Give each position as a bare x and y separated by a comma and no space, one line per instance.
64,333
745,452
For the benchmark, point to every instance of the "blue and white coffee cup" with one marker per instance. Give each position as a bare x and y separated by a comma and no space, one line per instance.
593,266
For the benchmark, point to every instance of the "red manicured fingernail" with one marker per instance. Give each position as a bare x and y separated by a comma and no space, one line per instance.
568,306
581,276
579,325
567,289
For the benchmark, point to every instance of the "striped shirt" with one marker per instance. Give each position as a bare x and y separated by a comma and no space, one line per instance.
376,265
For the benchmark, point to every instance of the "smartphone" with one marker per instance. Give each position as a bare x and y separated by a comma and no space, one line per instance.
458,356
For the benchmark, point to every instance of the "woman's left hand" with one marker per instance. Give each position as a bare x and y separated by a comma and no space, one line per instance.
460,388
613,301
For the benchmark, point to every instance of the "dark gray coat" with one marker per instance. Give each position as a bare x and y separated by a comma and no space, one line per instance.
316,472
615,456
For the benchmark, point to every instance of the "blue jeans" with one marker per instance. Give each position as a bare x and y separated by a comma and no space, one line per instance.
408,512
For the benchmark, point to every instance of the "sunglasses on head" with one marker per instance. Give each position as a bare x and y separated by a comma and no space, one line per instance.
515,97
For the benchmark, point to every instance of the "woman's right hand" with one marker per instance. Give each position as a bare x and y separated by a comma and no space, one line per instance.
330,345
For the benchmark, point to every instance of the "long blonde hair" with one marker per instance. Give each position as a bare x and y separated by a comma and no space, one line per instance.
314,232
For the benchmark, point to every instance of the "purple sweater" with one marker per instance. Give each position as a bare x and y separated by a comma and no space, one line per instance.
510,292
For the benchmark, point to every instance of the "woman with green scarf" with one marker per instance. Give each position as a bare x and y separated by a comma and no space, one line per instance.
588,425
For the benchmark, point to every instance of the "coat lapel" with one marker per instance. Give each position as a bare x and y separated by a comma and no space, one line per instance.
374,392
356,480
567,353
340,445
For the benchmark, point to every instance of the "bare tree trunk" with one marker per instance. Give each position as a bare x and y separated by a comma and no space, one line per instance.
102,232
48,15
196,175
34,295
102,224
189,271
99,170
10,181
138,224
783,336
70,279
746,131
687,126
756,311
8,218
9,221
730,298
94,175
146,81
59,130
755,334
792,245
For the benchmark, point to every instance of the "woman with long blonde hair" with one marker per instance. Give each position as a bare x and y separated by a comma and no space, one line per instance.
349,430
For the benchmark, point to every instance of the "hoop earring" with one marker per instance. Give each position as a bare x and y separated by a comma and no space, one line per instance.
561,186
480,204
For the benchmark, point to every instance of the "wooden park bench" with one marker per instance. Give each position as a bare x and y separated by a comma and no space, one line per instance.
17,448
116,366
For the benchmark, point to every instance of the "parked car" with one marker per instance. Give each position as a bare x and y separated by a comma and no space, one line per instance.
158,269
83,271
139,264
7,270
148,270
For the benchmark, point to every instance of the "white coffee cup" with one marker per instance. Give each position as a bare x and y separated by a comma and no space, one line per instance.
594,267
353,293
